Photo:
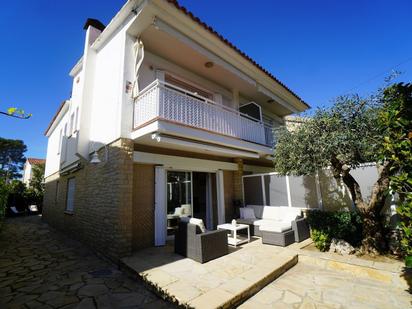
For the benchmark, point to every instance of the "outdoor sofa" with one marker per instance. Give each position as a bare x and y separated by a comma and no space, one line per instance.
194,242
277,225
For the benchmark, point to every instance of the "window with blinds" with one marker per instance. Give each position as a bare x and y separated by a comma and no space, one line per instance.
186,86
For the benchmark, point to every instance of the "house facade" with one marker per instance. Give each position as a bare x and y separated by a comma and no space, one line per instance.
28,169
165,118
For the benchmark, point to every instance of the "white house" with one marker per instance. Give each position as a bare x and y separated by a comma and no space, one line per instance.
165,117
28,169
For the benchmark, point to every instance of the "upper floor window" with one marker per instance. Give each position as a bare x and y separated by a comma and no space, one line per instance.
60,141
76,120
71,124
188,86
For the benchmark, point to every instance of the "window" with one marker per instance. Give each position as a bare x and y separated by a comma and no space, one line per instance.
71,125
76,122
60,141
188,86
71,184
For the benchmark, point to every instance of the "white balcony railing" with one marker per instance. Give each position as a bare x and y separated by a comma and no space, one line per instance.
161,100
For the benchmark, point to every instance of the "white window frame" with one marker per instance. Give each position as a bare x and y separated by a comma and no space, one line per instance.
71,188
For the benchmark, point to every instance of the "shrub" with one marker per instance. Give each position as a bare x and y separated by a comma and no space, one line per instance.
321,240
325,225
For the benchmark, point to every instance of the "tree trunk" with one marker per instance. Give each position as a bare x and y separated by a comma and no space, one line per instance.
373,238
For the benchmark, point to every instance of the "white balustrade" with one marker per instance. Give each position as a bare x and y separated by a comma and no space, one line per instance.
161,100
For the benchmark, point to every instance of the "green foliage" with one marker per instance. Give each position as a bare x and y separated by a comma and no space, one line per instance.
11,158
346,225
321,240
37,180
16,113
347,131
396,123
3,199
17,195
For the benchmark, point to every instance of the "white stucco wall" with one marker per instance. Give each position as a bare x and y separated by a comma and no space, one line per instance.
107,92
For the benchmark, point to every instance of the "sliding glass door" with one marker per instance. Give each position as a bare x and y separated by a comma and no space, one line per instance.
179,193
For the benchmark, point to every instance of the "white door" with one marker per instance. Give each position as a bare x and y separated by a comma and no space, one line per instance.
160,206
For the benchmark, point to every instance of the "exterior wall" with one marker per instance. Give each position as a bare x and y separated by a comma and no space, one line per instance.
102,202
143,206
107,92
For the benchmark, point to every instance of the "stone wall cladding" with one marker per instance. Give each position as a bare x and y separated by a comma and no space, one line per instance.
237,180
229,189
143,206
102,203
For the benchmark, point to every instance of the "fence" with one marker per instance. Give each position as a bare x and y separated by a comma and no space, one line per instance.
318,191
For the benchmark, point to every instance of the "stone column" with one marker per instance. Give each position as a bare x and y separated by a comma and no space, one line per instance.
237,180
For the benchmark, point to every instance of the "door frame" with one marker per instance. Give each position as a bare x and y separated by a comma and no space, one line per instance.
160,217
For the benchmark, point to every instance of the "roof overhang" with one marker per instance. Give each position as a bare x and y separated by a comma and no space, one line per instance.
186,23
64,107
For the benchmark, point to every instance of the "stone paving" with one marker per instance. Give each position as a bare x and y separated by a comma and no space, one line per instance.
308,286
220,283
41,268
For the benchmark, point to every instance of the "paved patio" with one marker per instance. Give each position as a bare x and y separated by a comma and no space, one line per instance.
41,268
311,286
223,282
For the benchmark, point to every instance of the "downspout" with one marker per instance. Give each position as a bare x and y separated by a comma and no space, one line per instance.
138,48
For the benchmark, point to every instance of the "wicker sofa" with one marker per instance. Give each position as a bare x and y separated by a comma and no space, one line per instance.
276,225
200,246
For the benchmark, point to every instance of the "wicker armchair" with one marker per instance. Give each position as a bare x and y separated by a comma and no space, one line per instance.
198,246
301,229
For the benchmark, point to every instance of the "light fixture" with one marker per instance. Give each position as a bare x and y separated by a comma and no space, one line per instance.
209,64
95,158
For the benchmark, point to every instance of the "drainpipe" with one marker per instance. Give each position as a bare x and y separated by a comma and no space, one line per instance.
139,53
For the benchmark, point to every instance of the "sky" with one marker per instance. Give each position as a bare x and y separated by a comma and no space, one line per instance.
320,49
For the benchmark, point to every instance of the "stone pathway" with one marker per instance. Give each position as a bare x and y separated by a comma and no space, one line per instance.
308,286
41,268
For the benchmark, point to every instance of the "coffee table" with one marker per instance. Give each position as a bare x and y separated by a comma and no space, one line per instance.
234,239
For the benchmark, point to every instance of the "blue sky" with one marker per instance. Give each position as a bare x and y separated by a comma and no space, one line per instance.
320,49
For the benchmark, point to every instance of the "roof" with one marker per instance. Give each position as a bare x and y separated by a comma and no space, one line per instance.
227,42
35,161
94,23
55,116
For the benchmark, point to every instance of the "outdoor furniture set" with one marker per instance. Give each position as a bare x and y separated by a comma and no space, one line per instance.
278,226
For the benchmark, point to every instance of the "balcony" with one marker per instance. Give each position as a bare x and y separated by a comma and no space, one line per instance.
163,101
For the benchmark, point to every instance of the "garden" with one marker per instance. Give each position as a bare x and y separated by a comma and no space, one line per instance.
353,131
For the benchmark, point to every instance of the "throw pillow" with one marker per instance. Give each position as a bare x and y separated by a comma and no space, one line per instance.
199,223
247,213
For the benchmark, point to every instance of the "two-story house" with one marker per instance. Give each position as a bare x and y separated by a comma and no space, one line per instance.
165,117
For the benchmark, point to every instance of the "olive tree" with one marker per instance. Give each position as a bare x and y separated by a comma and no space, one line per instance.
341,138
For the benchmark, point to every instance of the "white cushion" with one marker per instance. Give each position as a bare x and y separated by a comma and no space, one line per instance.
247,213
278,227
270,212
199,223
186,209
178,211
